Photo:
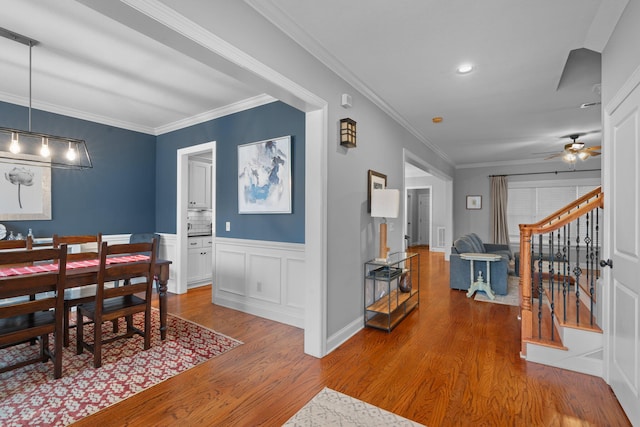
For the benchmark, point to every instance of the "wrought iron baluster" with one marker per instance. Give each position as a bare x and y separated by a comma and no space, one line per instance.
577,271
540,286
551,283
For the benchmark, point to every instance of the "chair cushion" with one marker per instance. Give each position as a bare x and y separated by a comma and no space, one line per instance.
464,245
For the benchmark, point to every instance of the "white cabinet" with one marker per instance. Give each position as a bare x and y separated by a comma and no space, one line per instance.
199,185
199,260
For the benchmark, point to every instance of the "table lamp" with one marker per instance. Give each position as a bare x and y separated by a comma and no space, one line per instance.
384,204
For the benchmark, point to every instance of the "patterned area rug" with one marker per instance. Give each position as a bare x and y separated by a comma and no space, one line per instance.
30,395
330,408
511,298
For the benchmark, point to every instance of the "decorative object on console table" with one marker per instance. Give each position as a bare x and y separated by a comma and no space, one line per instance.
474,202
348,133
384,204
264,176
375,180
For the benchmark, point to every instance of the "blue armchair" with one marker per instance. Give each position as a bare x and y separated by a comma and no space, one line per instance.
459,268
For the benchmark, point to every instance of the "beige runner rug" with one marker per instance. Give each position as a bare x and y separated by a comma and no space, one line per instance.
331,408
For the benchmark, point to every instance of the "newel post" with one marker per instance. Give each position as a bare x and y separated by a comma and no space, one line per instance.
526,314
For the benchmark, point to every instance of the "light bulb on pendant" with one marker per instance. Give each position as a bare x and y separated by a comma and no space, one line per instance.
44,150
15,145
71,153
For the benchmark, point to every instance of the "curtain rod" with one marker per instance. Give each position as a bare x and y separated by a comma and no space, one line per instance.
540,173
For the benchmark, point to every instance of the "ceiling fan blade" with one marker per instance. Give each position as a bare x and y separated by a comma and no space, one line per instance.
595,153
554,156
595,147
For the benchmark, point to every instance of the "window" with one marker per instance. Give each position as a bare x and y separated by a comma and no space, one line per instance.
531,201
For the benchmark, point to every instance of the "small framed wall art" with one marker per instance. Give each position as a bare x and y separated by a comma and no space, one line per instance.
474,202
376,180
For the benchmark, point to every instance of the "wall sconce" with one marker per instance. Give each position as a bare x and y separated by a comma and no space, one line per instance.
348,133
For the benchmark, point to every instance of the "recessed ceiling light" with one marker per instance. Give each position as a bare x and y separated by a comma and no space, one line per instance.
465,69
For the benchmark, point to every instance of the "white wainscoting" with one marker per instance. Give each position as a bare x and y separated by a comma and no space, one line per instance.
262,278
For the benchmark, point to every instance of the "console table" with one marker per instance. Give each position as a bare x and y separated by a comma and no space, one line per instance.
479,284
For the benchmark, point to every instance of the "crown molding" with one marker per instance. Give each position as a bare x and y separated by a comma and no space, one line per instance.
236,107
71,112
287,25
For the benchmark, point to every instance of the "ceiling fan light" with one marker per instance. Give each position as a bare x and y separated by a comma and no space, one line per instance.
569,158
584,155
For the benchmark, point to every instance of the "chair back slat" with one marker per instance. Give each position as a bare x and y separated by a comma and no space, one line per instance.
19,308
27,256
16,244
16,286
120,291
81,240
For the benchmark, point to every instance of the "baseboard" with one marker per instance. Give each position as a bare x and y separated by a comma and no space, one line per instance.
340,337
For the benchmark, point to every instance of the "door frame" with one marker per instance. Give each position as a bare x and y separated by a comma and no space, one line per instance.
182,204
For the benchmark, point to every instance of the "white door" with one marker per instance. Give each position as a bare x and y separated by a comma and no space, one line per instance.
622,197
424,222
410,220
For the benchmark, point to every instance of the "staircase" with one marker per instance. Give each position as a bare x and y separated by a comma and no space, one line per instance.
559,287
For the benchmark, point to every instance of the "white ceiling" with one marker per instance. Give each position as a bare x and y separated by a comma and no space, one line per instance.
402,55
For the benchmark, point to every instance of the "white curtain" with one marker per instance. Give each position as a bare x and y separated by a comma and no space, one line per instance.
499,193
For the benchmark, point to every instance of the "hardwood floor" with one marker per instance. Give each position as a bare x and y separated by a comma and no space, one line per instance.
453,362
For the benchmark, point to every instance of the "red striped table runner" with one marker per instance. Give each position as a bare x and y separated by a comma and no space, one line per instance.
45,268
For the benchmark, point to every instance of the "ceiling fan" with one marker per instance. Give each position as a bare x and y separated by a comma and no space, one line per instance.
576,150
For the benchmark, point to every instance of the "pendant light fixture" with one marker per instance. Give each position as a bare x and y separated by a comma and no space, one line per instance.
32,148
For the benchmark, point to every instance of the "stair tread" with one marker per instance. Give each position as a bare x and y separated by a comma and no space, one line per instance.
586,321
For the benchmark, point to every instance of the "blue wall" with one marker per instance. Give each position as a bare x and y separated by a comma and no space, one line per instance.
116,196
265,122
132,186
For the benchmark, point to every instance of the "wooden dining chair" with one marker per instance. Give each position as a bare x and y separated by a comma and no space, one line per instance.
124,301
23,318
89,246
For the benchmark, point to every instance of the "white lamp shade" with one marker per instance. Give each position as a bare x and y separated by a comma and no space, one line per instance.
385,203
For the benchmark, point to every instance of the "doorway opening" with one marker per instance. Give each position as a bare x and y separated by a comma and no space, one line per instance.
207,154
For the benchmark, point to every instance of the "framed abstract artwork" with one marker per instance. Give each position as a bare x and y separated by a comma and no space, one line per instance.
264,177
376,180
25,191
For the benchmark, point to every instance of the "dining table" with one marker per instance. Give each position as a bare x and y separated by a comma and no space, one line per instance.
85,273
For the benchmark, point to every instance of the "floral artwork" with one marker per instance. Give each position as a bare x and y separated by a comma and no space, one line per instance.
264,176
20,176
25,191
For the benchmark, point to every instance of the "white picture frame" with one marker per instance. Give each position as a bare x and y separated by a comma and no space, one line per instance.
264,177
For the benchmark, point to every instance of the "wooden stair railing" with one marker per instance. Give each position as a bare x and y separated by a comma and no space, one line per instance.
558,226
